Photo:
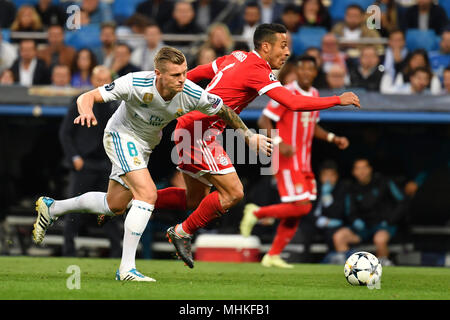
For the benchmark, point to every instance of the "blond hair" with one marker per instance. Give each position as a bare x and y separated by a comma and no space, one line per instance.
168,54
37,23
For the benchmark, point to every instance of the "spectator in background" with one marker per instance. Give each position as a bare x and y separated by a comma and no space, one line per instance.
121,64
270,10
205,55
89,165
50,14
395,53
82,67
142,57
251,19
26,19
321,80
376,206
134,25
7,13
108,38
182,22
98,11
369,72
56,51
313,13
389,16
61,76
447,80
7,77
331,213
206,11
336,77
331,54
291,17
419,81
400,84
426,15
28,69
439,60
354,28
8,54
157,10
219,39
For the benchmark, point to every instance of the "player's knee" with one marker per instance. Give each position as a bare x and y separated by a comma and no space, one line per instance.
304,207
117,208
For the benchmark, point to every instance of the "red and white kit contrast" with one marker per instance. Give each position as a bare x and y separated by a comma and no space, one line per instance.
295,178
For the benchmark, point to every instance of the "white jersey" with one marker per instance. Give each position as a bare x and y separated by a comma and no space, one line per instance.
143,113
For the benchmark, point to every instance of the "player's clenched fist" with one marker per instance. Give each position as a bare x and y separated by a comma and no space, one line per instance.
86,118
348,98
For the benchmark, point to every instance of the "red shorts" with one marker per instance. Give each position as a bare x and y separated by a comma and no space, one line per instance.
296,185
199,155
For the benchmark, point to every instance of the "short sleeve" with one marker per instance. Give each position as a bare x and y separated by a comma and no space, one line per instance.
209,103
262,79
119,89
274,110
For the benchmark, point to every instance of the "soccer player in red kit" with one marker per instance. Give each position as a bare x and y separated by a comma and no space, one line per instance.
295,179
238,79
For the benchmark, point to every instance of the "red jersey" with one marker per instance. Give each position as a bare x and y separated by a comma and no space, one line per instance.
239,78
296,129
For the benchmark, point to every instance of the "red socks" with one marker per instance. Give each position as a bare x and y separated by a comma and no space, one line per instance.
285,232
171,198
209,209
284,210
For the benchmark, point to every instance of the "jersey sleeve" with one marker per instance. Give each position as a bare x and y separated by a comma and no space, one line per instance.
261,79
274,110
205,71
209,103
119,89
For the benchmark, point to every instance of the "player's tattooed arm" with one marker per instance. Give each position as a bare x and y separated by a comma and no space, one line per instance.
257,142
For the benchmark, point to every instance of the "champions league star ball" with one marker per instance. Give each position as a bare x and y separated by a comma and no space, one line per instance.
362,269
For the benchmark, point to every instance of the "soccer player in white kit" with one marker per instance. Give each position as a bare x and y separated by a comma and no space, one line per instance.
150,100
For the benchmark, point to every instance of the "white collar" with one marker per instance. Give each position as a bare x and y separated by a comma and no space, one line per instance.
303,92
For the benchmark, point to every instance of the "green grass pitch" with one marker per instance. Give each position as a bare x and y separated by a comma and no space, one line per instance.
34,278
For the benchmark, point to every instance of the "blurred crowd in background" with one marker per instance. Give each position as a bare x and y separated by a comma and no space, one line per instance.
408,52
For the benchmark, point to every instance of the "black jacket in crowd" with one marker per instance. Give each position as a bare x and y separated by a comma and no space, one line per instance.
86,142
338,207
380,200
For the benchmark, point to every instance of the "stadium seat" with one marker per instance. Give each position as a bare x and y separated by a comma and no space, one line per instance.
122,9
446,5
307,37
6,35
419,39
338,7
86,37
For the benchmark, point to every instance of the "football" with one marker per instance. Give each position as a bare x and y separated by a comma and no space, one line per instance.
362,269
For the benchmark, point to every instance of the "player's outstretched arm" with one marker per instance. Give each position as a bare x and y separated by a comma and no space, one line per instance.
257,142
322,134
302,103
85,104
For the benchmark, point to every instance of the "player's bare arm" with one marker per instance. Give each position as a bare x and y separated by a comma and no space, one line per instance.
85,104
256,142
322,134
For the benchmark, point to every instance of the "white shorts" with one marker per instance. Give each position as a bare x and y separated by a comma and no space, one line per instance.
126,154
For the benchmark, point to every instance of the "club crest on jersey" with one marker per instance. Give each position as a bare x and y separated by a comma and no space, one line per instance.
214,101
223,160
299,188
136,161
148,97
272,77
110,86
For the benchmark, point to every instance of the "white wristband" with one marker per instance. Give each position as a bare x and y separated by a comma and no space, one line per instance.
330,137
277,140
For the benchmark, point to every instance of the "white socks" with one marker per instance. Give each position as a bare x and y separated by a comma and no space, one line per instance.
135,224
90,202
